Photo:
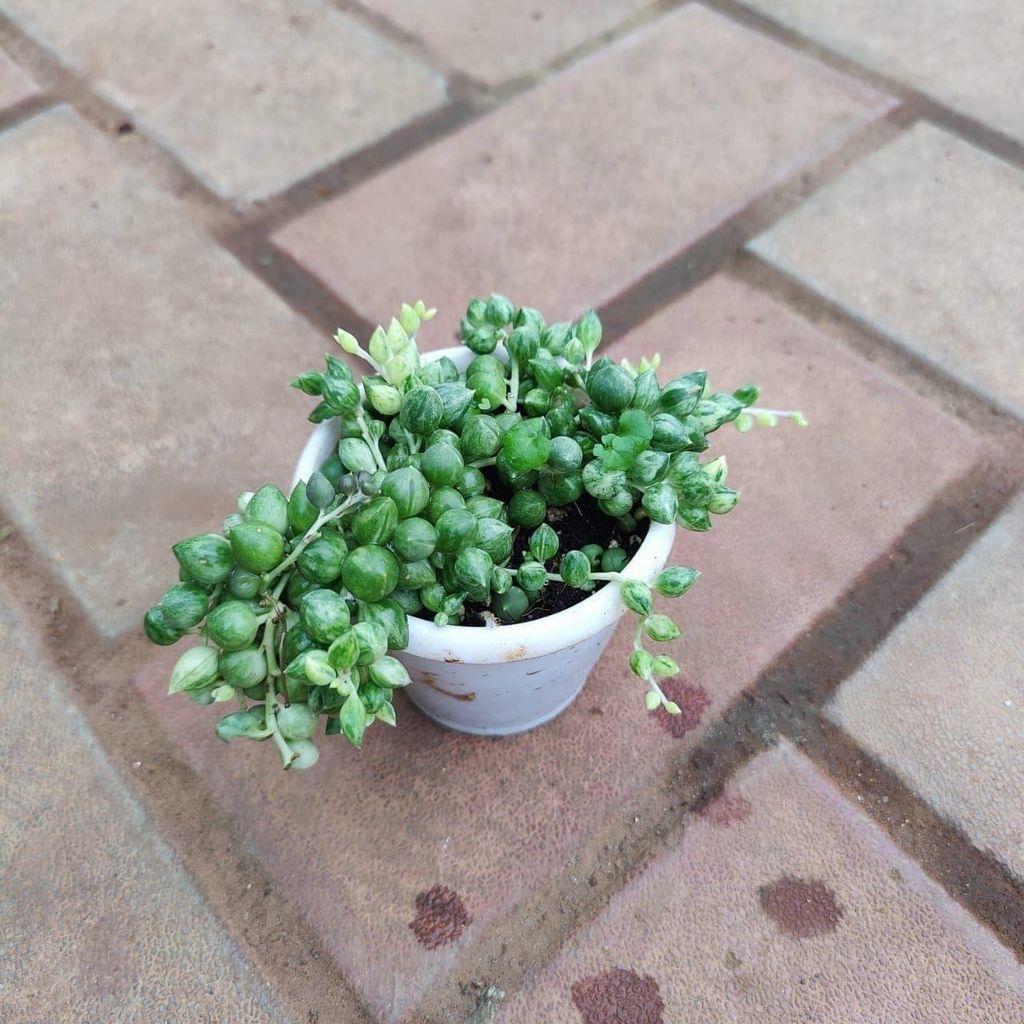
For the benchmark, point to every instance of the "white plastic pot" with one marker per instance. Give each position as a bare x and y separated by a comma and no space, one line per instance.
506,679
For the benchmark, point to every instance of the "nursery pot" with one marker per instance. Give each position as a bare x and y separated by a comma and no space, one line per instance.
501,680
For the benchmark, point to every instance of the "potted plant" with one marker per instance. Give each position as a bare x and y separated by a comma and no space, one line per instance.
470,524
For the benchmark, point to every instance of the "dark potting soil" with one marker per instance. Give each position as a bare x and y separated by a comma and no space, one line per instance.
577,525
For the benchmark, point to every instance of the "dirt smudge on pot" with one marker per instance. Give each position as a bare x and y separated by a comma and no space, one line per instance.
516,654
441,917
429,679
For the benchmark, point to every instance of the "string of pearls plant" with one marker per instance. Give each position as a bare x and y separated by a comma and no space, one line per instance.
437,476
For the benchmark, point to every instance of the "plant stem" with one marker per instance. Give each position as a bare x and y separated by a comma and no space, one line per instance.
592,576
310,535
270,699
371,444
366,357
513,385
782,414
638,636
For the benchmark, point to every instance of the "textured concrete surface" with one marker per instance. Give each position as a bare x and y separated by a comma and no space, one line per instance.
902,242
604,151
795,909
252,97
490,820
139,361
504,39
521,198
15,84
966,56
98,919
942,702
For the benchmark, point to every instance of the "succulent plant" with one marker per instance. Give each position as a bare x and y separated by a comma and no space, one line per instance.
445,495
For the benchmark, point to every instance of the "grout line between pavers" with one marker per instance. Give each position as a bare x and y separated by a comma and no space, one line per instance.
341,176
512,87
683,271
27,108
469,101
973,878
941,387
304,292
411,44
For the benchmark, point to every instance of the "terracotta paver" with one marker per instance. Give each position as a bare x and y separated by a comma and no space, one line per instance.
797,909
451,832
942,701
15,84
144,370
921,241
505,38
99,920
252,97
682,122
966,56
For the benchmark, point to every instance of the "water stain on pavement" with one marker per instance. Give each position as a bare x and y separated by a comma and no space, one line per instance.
441,917
619,996
693,701
801,909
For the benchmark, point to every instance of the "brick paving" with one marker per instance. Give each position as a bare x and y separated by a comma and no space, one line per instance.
965,56
252,98
499,42
781,902
900,242
123,346
746,196
944,704
99,919
522,196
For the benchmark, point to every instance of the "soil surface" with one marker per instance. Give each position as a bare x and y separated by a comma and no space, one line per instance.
577,525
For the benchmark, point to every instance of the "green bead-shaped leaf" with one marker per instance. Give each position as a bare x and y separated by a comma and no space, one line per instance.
207,559
390,673
184,606
370,572
353,719
195,669
249,724
544,543
256,546
324,615
675,581
636,596
575,569
232,625
524,449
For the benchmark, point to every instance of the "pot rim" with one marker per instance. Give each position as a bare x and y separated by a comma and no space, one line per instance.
518,641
